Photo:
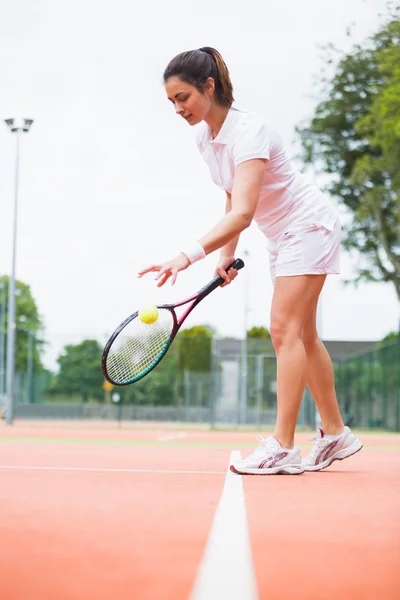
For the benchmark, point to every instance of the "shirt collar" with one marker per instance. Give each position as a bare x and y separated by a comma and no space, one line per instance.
227,126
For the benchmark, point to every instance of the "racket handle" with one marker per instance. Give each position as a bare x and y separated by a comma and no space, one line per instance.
238,264
218,280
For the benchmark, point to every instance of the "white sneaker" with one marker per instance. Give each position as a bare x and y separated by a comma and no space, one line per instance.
270,458
325,451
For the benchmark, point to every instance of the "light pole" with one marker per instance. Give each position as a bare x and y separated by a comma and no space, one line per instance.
17,126
314,182
2,340
244,358
30,367
319,305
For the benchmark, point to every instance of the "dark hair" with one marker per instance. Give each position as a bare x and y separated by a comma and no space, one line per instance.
196,66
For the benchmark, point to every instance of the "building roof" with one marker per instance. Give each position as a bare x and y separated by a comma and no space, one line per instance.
339,350
230,348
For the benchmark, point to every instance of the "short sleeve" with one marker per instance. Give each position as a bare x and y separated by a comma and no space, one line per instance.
253,141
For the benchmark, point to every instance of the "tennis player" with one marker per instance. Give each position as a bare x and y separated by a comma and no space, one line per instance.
247,160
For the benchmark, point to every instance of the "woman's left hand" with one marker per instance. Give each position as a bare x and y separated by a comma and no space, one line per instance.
169,269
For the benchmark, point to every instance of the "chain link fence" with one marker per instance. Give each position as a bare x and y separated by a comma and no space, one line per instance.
216,382
368,386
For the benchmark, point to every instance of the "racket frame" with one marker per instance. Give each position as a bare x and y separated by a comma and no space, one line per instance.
177,323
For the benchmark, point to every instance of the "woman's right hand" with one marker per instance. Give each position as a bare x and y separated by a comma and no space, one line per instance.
223,264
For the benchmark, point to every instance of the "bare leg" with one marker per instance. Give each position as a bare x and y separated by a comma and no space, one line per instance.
291,304
320,378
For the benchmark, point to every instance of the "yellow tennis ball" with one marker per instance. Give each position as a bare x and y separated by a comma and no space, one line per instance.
148,314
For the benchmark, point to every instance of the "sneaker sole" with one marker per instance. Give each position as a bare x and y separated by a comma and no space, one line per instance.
286,470
341,455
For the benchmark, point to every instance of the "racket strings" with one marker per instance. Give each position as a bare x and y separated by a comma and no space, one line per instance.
138,347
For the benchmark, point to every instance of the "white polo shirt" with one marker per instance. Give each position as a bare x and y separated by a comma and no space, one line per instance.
286,196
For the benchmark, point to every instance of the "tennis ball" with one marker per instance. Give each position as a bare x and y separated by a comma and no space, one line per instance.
148,314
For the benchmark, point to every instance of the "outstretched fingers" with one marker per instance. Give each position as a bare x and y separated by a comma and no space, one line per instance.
150,269
164,274
167,270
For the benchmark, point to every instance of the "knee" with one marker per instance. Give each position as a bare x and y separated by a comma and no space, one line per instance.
282,332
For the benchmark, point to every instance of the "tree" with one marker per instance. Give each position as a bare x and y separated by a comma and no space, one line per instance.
80,370
28,341
194,346
258,332
355,136
390,338
259,341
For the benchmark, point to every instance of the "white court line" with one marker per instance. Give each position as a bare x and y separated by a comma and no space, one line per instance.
172,436
226,570
100,470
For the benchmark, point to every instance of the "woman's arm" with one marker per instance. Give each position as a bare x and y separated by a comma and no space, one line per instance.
244,199
229,249
243,204
227,255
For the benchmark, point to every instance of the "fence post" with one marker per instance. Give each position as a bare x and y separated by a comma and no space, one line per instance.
259,385
398,389
186,380
29,373
383,352
213,387
243,381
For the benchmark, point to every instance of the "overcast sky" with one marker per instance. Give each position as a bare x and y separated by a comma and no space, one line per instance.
110,177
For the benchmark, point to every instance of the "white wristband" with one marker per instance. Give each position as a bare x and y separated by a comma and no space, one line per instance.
195,253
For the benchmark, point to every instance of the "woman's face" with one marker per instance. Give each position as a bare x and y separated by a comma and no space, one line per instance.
189,103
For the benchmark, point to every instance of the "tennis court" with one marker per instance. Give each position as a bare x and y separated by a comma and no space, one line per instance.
153,513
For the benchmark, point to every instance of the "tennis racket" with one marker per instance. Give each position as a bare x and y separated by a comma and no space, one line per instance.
135,348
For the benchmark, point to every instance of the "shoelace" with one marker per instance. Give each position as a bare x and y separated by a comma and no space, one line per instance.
264,443
318,443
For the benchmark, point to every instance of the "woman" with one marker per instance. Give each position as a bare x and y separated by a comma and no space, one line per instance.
246,159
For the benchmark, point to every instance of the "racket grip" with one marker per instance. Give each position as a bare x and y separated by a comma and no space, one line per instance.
238,264
218,280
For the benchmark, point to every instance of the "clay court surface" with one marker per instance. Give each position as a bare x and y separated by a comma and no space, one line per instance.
150,512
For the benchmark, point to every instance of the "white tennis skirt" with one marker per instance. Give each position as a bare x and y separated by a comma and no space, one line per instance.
305,249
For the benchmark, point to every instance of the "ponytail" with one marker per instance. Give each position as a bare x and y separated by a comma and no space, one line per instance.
196,66
225,89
